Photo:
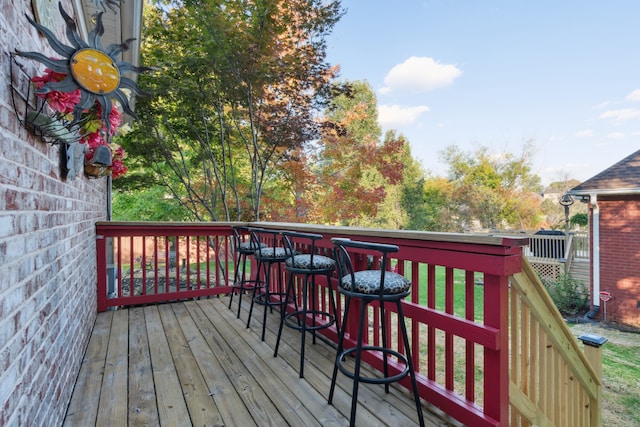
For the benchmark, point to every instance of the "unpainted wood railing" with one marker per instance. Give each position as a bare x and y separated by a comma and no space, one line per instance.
551,382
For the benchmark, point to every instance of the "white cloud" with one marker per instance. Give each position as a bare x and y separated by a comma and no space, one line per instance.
634,96
419,74
616,135
619,116
391,116
587,133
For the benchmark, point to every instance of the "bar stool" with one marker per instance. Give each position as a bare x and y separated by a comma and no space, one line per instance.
370,286
267,254
243,247
308,265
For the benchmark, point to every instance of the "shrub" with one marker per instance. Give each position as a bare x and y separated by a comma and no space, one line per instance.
570,295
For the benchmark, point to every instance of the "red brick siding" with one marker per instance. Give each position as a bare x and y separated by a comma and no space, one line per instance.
47,253
620,258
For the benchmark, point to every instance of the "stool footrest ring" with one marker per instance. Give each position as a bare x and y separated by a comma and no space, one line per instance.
374,380
248,285
294,315
276,298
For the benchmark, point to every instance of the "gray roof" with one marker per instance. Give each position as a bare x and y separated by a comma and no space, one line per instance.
621,178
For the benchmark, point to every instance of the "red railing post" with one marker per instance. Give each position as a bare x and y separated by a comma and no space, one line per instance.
496,362
101,271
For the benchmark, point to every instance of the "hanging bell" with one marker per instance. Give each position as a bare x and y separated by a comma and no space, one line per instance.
102,156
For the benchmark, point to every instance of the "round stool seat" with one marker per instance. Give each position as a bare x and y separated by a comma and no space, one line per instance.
303,262
271,253
368,282
249,247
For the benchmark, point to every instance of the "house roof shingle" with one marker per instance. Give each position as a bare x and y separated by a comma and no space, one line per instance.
621,178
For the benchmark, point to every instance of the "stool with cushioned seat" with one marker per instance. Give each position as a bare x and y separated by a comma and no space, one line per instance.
309,265
371,286
243,247
270,255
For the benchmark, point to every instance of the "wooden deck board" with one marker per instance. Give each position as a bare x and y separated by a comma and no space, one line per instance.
143,409
195,363
112,409
172,408
83,408
253,399
202,408
197,329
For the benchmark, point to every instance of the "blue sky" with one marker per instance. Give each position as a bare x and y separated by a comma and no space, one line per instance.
497,73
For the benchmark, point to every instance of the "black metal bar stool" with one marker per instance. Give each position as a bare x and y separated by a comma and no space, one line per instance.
308,265
269,252
243,247
370,286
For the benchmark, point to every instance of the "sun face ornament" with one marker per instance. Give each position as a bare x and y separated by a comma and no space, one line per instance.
88,67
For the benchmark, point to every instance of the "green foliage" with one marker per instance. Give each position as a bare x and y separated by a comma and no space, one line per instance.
358,174
235,93
493,190
428,203
569,294
153,204
620,372
581,219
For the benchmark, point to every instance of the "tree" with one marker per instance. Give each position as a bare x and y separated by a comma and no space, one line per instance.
355,168
554,212
579,219
397,210
236,94
430,204
152,204
493,191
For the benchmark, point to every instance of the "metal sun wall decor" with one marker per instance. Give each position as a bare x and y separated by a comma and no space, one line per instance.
77,93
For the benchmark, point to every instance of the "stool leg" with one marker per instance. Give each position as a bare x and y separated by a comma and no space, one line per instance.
235,277
305,307
243,258
283,313
340,348
267,298
356,372
412,372
314,292
255,289
385,343
332,302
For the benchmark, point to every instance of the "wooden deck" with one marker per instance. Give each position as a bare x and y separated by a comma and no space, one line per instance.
195,363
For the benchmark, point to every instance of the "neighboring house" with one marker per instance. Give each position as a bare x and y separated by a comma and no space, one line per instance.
47,226
613,197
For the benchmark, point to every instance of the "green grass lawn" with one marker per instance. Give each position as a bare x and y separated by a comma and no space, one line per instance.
459,290
620,374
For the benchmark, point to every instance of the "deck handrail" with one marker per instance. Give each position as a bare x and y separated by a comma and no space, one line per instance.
551,381
463,343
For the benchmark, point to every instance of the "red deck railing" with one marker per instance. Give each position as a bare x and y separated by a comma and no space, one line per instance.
457,314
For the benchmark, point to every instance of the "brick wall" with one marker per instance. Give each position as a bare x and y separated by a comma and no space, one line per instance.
620,258
47,253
